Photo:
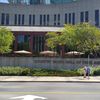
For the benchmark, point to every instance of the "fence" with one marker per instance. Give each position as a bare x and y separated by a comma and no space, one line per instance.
50,63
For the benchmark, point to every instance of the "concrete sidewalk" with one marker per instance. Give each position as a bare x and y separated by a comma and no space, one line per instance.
95,79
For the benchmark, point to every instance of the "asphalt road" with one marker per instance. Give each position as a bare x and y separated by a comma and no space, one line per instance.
50,91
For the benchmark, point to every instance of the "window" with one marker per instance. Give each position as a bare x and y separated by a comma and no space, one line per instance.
48,18
86,16
96,17
38,43
44,20
19,19
40,19
69,18
58,17
73,18
15,19
30,18
55,18
7,19
23,42
33,19
82,17
2,19
23,19
66,18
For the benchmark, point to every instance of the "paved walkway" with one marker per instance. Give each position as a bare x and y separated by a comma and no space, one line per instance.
48,79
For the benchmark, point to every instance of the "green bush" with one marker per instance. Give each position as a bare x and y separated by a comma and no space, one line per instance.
18,71
47,72
23,71
96,71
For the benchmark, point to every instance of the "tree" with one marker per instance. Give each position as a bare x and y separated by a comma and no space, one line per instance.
52,39
82,37
6,40
64,38
67,37
87,38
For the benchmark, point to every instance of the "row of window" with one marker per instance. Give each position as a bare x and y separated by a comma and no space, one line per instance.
44,20
70,18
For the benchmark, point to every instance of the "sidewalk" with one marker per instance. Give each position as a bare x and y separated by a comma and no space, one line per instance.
95,79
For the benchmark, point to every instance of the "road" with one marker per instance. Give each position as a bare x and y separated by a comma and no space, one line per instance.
51,91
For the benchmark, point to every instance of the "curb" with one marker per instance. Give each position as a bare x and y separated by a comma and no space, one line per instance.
49,79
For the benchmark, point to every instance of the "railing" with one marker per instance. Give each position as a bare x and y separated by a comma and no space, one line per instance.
50,63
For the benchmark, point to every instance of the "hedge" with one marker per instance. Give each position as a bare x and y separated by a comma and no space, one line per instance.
26,71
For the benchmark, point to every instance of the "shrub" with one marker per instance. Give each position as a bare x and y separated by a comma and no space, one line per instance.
14,71
23,71
96,71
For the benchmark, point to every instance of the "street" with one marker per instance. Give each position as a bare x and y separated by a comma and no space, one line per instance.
49,91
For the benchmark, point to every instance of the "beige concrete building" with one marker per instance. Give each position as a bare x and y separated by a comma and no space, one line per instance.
50,15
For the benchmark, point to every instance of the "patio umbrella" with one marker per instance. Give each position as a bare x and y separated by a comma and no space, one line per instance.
50,53
74,53
22,52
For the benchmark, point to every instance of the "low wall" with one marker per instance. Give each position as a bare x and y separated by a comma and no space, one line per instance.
50,63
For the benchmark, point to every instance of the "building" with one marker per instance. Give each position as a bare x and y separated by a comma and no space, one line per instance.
34,2
30,23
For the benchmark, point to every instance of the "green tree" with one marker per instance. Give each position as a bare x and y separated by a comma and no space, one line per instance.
87,38
67,36
6,40
52,40
82,37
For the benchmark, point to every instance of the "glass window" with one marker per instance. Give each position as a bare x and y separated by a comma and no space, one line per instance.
7,19
69,18
30,18
2,19
86,16
44,20
55,18
23,19
33,19
38,43
82,17
48,18
66,18
73,18
19,19
54,24
23,42
96,17
58,17
40,19
15,19
58,23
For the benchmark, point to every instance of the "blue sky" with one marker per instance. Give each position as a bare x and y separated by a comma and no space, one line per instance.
3,0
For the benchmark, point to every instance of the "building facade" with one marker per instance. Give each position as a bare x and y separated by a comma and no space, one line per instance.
54,15
34,2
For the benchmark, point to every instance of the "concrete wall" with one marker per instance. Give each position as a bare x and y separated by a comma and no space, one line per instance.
50,63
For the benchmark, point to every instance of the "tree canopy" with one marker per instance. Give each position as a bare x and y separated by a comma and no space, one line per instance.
82,37
6,40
